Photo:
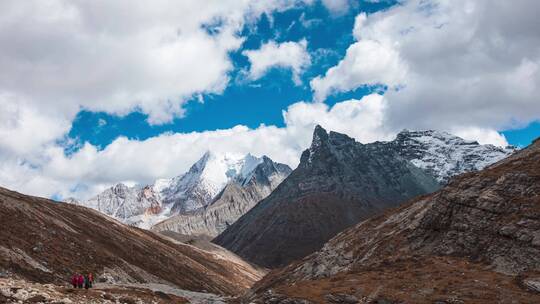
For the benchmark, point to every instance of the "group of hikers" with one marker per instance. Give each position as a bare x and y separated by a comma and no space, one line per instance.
79,281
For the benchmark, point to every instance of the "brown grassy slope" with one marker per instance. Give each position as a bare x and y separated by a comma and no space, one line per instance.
45,241
476,239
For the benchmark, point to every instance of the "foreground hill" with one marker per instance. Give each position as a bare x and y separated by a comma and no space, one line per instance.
475,241
337,183
45,242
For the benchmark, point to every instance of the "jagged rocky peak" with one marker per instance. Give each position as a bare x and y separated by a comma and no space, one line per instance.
337,183
320,137
483,228
207,178
238,196
144,206
444,155
325,143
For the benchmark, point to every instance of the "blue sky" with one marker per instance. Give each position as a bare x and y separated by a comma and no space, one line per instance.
262,101
95,93
247,103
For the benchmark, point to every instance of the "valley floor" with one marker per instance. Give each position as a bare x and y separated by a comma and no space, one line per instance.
21,291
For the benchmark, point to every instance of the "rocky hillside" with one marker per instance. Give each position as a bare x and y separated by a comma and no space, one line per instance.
191,193
337,183
45,241
475,241
233,201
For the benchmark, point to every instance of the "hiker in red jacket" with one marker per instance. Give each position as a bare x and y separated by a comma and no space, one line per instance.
80,281
75,280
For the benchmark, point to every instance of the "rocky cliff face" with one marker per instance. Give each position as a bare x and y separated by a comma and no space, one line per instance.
338,182
46,242
482,229
247,178
233,201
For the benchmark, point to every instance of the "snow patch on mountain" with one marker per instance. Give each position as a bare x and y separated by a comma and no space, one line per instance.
206,178
145,206
440,154
444,155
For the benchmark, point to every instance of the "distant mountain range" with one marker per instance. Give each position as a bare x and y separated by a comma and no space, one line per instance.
477,240
215,191
221,187
340,182
425,218
234,200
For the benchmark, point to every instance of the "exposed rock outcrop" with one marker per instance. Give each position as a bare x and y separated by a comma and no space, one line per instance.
237,198
482,229
337,183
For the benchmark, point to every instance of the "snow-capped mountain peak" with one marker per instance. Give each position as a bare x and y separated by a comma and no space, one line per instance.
444,155
221,168
161,184
121,201
206,178
144,206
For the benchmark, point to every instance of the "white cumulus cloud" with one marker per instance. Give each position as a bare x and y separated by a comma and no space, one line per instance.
291,55
120,56
336,7
60,57
90,170
463,66
450,65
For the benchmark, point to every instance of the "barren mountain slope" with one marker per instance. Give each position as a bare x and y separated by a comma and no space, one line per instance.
475,241
337,183
45,241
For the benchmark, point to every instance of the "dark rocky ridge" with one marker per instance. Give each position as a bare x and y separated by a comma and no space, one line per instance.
475,241
337,183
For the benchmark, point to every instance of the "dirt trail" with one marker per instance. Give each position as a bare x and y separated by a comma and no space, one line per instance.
14,290
191,296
